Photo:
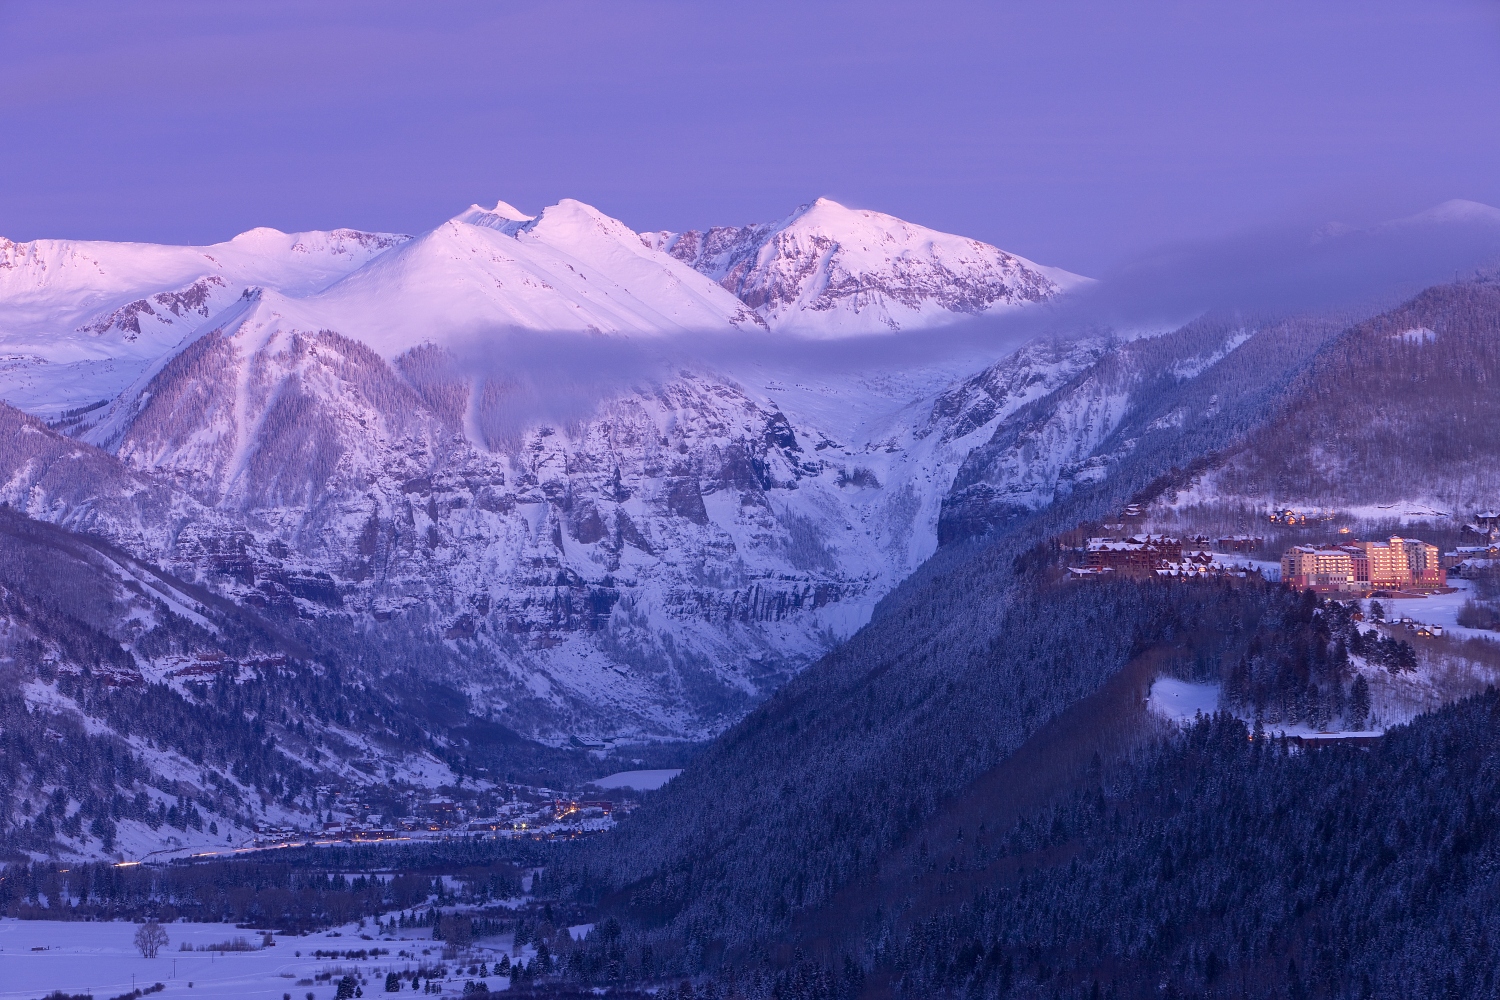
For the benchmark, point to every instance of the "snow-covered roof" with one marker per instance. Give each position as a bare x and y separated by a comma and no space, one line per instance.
1135,543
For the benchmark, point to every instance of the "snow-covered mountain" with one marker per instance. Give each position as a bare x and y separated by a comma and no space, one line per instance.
335,427
1129,412
827,270
79,319
647,571
322,425
571,268
333,462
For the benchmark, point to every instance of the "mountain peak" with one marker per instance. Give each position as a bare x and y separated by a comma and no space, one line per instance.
503,216
571,219
827,212
830,270
1456,210
259,234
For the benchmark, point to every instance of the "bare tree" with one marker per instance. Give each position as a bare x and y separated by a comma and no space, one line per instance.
150,938
458,930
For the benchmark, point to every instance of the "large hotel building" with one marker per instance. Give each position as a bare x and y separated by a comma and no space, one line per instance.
1393,565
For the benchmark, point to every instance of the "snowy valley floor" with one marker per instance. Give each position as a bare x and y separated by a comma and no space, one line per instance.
40,956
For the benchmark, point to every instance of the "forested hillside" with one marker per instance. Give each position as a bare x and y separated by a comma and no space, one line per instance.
1402,407
841,781
1217,865
809,793
1214,862
1144,406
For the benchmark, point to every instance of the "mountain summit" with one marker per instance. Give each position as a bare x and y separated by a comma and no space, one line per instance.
828,270
503,216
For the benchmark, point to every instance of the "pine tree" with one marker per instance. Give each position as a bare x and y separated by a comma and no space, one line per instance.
1359,703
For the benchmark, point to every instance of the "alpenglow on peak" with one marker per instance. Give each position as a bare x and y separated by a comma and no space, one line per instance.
830,270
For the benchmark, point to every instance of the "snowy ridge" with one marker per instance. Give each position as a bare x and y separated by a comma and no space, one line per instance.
1029,462
504,217
79,320
571,269
1116,399
827,270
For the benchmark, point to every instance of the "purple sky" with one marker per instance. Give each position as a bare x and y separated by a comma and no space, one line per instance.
1072,132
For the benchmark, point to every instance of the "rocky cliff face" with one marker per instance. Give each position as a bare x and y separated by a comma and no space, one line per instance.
648,570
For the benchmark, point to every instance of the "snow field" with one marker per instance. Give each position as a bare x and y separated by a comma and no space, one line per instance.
640,781
100,958
1438,609
1182,702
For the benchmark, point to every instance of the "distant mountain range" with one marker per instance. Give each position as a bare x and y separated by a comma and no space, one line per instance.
344,438
315,423
80,320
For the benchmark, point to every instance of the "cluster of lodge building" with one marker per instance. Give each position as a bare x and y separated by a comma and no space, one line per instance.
1397,564
1469,560
1151,555
1486,524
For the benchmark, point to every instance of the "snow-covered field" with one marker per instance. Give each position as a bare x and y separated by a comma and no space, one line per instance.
1439,609
1182,702
640,781
40,956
